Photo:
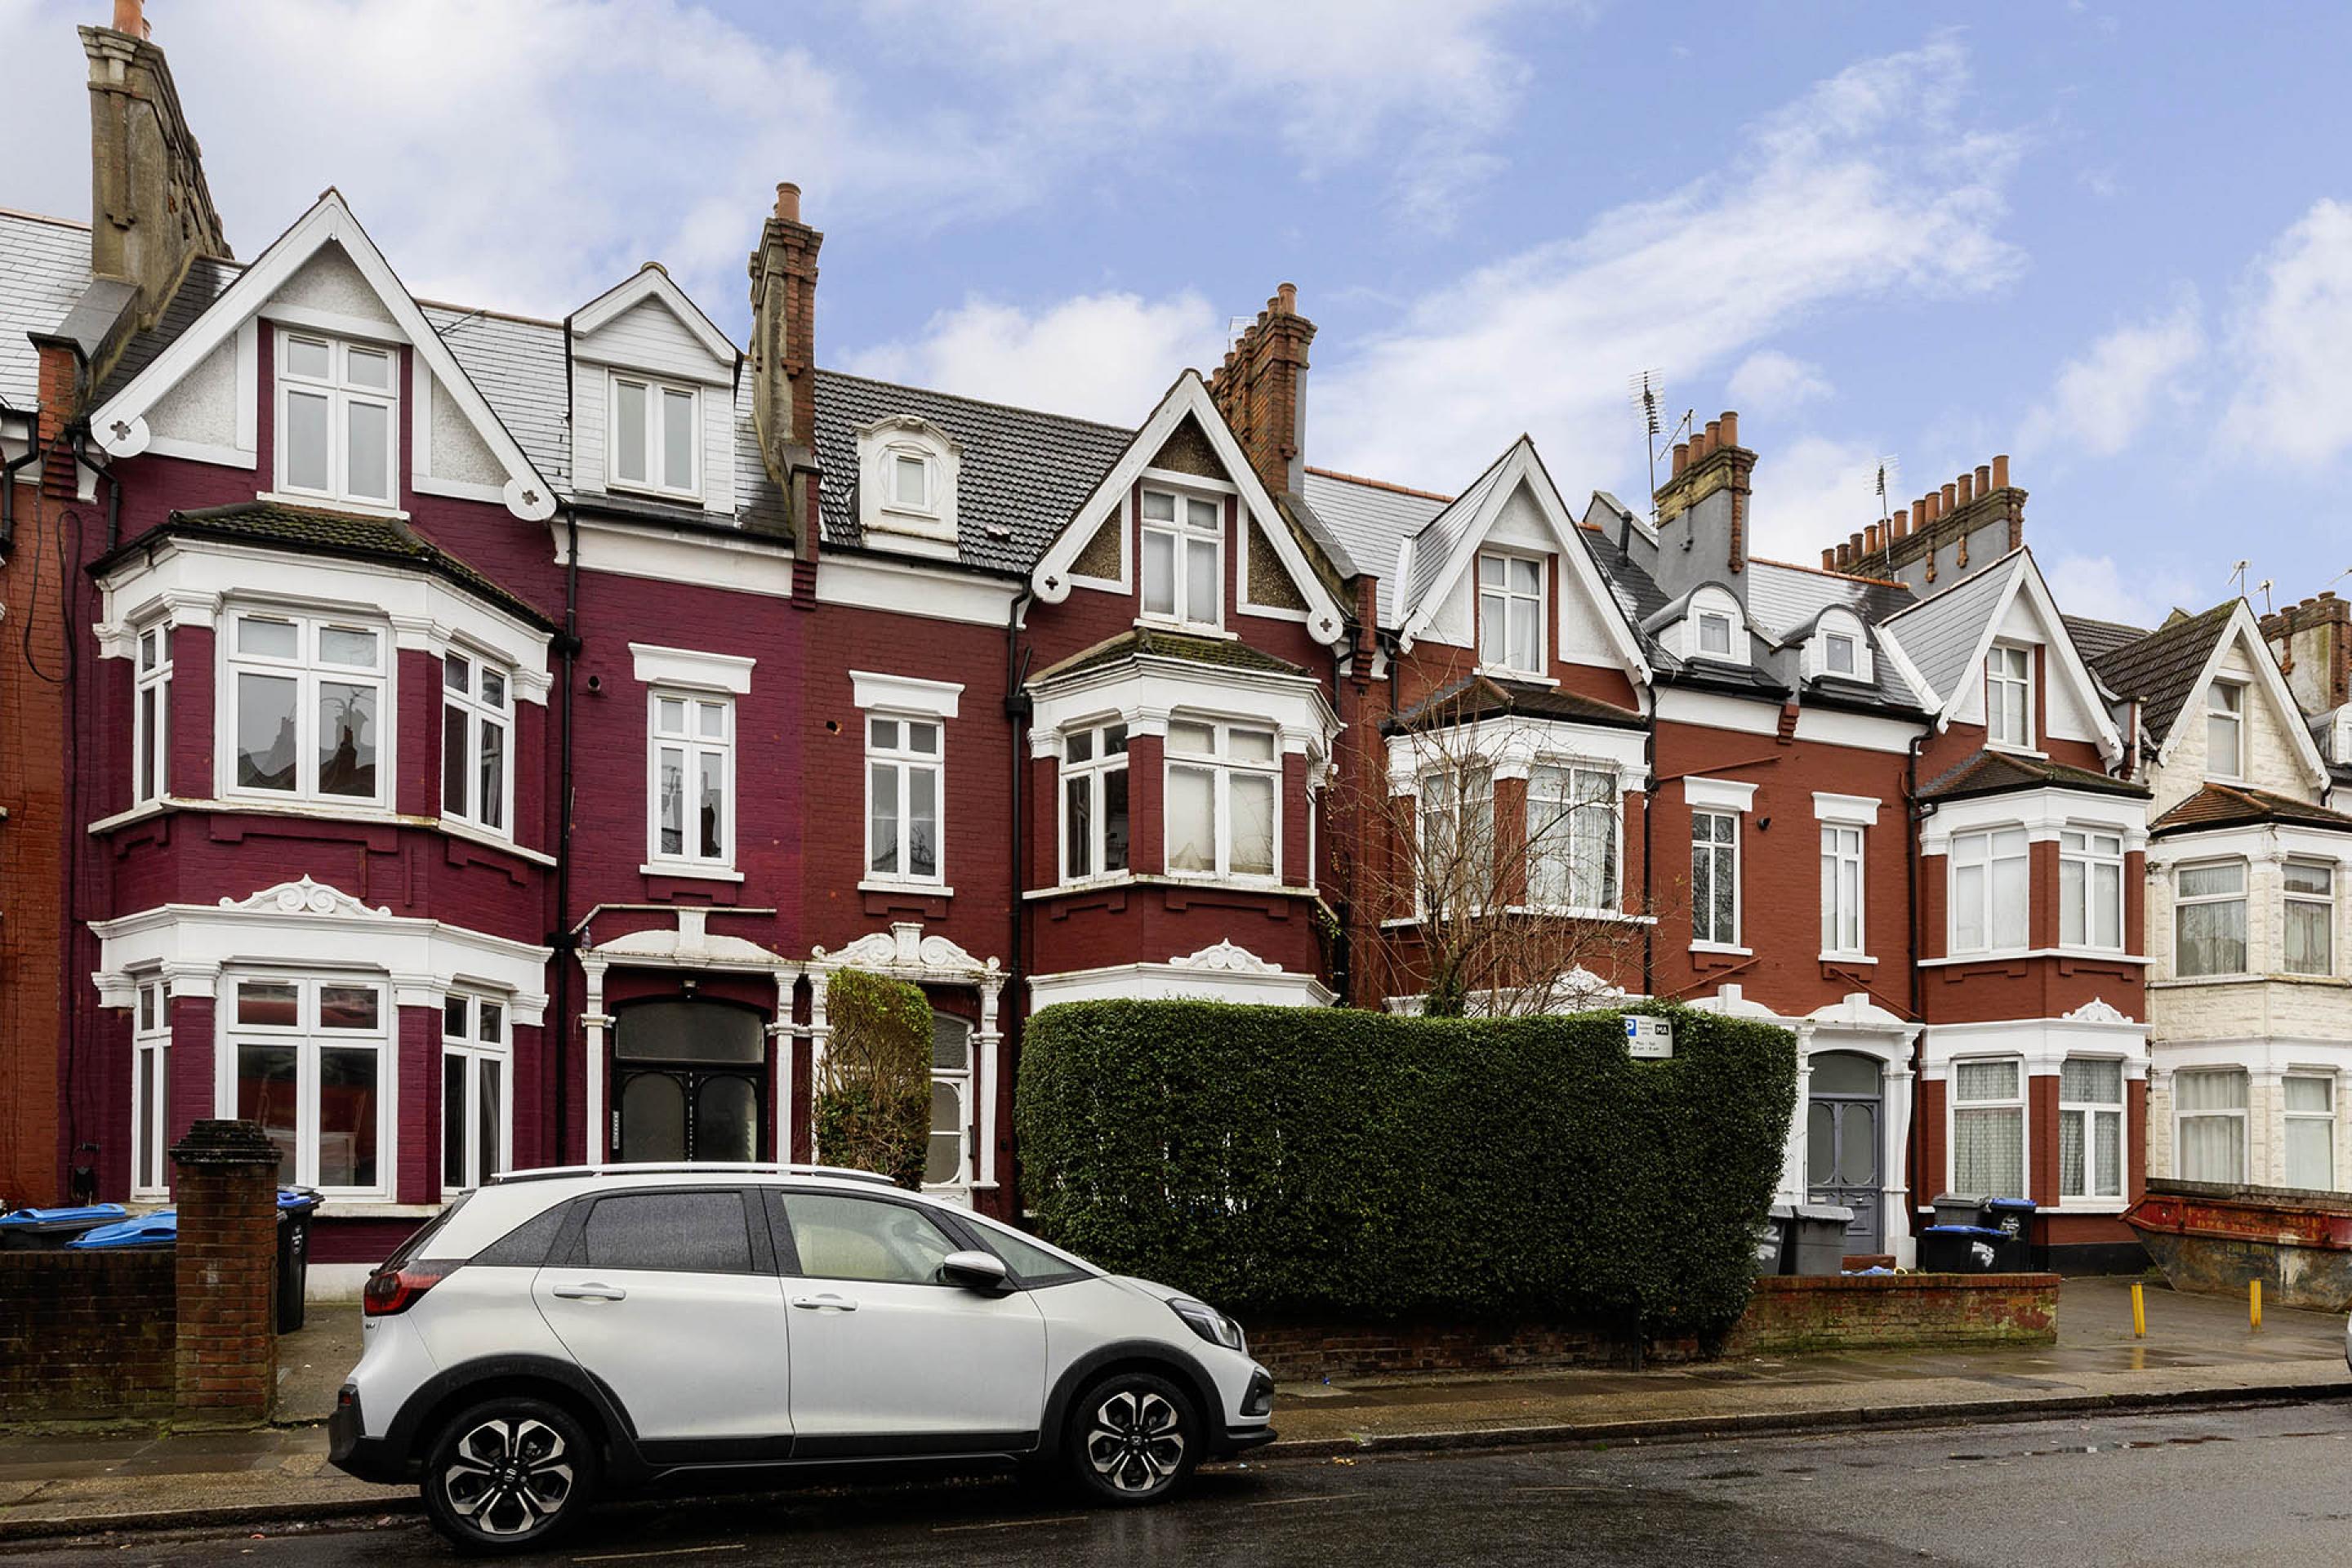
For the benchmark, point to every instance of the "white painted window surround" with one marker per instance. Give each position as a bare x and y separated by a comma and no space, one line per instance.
908,472
337,414
150,716
654,436
151,1093
1183,541
477,1091
1223,800
2225,730
906,776
308,1056
306,709
1511,612
1717,807
1844,820
2008,697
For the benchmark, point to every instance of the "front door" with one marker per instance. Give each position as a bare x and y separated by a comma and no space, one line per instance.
688,1082
1845,1143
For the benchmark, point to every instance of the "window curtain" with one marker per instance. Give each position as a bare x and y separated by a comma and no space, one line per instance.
2212,1106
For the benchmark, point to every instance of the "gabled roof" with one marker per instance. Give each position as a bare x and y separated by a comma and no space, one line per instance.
2097,639
1370,518
1475,696
2235,806
1996,772
652,282
1153,642
1435,552
2164,668
119,422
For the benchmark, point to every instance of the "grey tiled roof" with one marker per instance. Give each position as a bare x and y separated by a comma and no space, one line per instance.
2161,668
1993,773
1023,474
1636,591
1790,600
44,267
2097,639
1156,642
517,367
1939,634
1435,543
1370,519
206,281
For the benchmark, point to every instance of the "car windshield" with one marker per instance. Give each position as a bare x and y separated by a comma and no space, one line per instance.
1031,1259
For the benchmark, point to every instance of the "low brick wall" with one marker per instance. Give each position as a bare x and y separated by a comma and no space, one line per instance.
1879,1312
87,1336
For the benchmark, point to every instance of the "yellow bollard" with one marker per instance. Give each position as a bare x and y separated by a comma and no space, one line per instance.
2254,1300
2140,1312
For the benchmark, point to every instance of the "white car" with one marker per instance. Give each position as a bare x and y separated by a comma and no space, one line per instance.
557,1335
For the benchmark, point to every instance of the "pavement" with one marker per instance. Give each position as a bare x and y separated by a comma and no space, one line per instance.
2200,1352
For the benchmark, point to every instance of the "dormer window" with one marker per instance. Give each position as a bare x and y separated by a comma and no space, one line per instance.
336,413
2225,731
1183,558
1715,635
907,471
1838,650
655,436
1837,653
1511,613
2008,697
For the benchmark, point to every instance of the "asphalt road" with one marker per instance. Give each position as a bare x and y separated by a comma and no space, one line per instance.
2268,1486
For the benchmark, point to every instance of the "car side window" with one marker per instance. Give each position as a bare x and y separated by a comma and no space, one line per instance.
1034,1264
684,1233
864,1239
526,1245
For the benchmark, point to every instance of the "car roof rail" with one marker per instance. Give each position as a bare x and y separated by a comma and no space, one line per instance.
689,1168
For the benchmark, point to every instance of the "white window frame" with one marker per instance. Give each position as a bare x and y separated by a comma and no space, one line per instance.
1561,812
151,1116
657,432
2092,1113
1515,606
2225,704
1983,851
1701,622
694,746
1223,767
308,670
2019,1103
1844,844
2009,667
2085,851
1830,643
1185,536
1091,775
2238,1113
2324,901
2241,897
309,1040
339,392
482,1037
2290,1118
151,713
959,1083
479,713
1723,856
899,452
905,760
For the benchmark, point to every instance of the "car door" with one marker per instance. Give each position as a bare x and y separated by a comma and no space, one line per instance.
887,1356
670,1296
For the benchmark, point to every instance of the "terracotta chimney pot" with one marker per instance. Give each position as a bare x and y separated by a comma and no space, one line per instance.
1949,501
2000,472
1968,484
1984,479
130,16
1286,298
1730,423
1902,523
1870,538
1828,558
1681,458
1714,434
788,198
1844,556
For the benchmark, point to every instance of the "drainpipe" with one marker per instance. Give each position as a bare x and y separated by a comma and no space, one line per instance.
561,940
1913,814
1649,822
1017,709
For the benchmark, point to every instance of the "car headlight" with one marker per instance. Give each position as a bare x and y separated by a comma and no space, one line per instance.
1209,1324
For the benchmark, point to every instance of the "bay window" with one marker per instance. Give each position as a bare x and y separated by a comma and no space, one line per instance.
654,437
1572,838
474,1079
1094,802
1511,613
1457,840
2090,890
906,781
305,1056
2090,1130
2225,731
1841,867
2209,919
1715,877
2008,697
151,717
2310,1113
1224,793
693,786
151,1091
1183,558
307,698
2310,918
337,414
476,778
1990,884
2209,1114
1988,1128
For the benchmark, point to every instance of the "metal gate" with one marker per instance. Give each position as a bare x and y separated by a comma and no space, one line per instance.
1845,1143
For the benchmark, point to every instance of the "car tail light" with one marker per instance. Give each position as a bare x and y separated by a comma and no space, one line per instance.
391,1290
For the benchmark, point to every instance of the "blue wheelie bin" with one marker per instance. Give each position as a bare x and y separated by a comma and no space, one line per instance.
153,1232
32,1230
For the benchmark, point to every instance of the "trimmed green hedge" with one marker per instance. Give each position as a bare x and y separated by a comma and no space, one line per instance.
1329,1162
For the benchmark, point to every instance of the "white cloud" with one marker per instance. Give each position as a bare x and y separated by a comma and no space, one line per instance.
2101,400
2094,585
1773,382
1867,186
1815,493
2291,335
1109,357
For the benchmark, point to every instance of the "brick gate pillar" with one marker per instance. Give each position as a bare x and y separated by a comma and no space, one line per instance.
226,1353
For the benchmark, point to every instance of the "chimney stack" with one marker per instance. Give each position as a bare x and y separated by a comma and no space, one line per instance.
1702,509
1260,392
151,211
783,352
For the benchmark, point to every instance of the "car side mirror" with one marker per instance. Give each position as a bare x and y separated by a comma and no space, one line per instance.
981,1271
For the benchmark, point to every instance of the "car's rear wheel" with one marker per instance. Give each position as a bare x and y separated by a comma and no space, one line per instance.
1133,1438
509,1473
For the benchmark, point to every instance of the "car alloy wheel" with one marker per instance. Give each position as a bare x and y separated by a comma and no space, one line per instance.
1134,1441
508,1474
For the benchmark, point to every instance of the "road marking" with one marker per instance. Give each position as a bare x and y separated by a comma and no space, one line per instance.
671,1552
1009,1523
1560,1489
1286,1501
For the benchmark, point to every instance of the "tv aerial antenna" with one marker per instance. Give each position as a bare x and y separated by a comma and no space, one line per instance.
1887,480
1647,391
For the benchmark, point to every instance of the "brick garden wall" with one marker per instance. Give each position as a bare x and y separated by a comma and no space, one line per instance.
86,1336
1881,1311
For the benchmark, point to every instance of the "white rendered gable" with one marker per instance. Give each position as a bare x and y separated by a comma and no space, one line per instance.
646,326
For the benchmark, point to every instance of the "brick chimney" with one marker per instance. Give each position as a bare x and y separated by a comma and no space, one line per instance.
783,352
1947,534
151,211
1260,390
1702,510
2313,642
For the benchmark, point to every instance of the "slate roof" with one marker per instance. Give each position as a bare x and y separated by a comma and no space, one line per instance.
206,281
44,267
1370,519
2161,668
1475,697
2097,639
1155,643
1435,541
1991,773
1022,476
2233,806
344,534
517,367
1939,634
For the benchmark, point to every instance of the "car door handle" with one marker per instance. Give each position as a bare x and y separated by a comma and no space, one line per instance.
589,1291
824,1303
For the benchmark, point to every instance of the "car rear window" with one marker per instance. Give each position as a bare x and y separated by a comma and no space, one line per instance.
526,1245
686,1232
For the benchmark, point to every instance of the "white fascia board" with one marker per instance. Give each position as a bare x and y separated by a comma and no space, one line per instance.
700,558
1513,746
2044,1043
652,282
905,694
1891,644
2251,841
910,588
1714,710
1144,692
2244,631
2057,641
121,423
2263,1056
1050,579
2043,812
1971,673
1863,732
656,665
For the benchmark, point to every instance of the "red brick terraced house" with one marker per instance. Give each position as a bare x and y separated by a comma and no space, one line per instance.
486,735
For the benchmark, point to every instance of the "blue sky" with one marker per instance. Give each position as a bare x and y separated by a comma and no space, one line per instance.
2114,242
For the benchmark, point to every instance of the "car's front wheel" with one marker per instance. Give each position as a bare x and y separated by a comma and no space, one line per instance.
509,1473
1133,1439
